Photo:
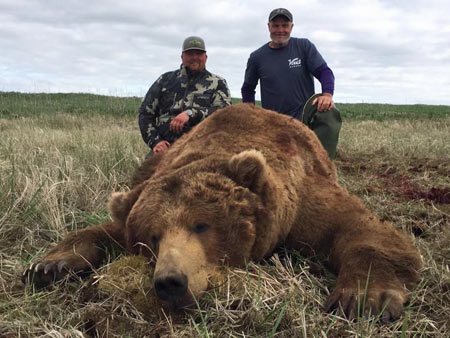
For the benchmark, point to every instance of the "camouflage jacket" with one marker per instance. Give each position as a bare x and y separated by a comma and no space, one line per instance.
175,92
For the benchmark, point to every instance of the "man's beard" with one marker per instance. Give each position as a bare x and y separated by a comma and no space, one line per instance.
278,42
193,71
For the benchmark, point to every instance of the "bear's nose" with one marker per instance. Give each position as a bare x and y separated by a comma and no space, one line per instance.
171,287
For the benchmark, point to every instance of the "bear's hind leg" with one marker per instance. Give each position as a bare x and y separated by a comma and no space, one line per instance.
376,265
373,278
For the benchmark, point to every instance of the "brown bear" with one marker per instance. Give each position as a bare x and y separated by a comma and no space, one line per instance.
240,184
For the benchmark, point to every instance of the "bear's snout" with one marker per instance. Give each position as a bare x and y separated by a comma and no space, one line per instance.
171,287
182,269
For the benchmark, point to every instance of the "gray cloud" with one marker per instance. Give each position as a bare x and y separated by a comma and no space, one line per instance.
380,51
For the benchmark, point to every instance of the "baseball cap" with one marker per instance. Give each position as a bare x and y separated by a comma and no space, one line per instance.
194,42
280,11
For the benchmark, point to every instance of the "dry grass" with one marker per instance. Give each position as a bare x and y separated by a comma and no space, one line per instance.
57,173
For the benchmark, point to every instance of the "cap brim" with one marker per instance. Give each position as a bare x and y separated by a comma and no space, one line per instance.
287,17
200,49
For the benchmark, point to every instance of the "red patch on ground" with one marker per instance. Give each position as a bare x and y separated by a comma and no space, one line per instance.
405,186
399,182
437,195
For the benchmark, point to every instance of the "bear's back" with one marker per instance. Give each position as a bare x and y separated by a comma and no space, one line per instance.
280,138
287,144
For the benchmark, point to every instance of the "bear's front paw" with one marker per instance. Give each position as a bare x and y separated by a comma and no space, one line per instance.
42,274
386,305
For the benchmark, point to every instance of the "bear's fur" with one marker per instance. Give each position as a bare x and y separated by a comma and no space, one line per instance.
239,185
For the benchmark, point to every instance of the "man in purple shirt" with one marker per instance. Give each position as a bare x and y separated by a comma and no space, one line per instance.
286,68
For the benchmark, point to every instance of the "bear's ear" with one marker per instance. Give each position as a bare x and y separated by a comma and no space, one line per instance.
249,169
120,203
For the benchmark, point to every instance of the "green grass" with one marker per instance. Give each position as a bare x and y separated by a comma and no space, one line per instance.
389,112
16,105
62,155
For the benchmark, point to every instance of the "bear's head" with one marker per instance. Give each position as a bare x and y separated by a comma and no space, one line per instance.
194,219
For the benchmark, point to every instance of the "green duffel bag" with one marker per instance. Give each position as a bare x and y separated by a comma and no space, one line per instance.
325,124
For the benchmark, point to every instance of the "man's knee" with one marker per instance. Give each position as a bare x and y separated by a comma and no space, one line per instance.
326,125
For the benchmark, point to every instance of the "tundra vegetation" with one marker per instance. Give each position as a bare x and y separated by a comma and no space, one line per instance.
62,155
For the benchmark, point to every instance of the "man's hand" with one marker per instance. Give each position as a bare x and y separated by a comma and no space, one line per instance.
177,124
161,147
324,102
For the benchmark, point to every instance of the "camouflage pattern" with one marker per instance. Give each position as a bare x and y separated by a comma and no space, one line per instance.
173,93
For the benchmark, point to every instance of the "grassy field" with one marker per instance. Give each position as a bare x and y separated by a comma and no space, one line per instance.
62,155
14,105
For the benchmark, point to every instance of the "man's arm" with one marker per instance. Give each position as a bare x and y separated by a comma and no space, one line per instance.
148,113
326,78
250,81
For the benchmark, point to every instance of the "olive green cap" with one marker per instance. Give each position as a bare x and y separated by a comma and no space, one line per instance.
194,43
280,11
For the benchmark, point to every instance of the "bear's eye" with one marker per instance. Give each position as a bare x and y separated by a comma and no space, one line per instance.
155,240
200,227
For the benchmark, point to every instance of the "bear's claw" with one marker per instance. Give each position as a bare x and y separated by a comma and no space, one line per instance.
41,274
386,305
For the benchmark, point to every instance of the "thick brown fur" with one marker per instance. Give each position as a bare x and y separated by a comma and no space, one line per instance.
239,185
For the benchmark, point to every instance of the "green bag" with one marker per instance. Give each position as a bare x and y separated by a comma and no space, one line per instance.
325,124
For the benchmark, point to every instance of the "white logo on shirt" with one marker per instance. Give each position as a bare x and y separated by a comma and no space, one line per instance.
297,62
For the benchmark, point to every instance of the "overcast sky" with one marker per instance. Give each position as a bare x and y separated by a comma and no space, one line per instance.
379,50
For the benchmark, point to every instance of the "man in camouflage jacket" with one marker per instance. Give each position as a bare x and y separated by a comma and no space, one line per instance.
180,99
